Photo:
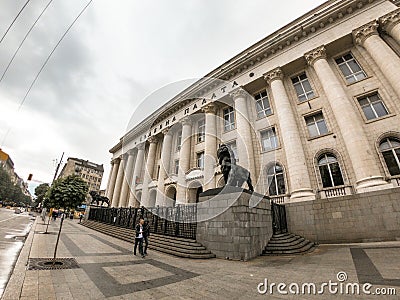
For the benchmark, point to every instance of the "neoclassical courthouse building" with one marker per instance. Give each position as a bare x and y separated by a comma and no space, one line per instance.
312,111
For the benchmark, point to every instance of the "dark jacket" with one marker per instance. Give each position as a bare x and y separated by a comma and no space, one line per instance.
137,230
146,229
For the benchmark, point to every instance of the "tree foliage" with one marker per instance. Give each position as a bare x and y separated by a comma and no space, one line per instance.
10,193
40,192
67,193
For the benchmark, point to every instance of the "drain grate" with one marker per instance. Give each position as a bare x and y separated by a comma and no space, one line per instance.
47,264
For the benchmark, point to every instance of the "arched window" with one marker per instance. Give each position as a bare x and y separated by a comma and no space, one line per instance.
390,149
329,170
276,181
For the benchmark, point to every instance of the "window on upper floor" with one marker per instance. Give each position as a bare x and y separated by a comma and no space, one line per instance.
233,146
316,125
176,166
329,170
350,68
263,106
269,140
390,149
303,87
372,106
276,181
200,160
179,140
201,130
229,118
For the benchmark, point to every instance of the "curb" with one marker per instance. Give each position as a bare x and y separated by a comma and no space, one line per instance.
14,286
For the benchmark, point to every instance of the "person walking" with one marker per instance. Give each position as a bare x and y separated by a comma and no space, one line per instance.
146,234
139,237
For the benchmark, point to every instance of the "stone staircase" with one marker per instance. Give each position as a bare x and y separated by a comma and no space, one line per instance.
288,244
181,247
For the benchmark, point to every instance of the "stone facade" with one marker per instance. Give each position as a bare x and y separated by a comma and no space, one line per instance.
308,110
235,223
91,173
372,216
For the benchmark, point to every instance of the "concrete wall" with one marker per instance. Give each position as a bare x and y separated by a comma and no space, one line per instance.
230,227
373,216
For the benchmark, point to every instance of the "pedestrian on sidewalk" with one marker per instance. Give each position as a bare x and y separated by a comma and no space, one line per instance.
139,237
146,234
80,217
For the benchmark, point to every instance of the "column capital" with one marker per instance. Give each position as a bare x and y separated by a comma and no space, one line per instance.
166,131
315,54
210,108
140,146
130,152
390,20
362,33
240,92
273,75
114,160
186,121
152,139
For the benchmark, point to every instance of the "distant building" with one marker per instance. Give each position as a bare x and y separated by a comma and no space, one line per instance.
90,172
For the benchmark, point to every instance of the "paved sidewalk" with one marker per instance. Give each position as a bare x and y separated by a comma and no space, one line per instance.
108,270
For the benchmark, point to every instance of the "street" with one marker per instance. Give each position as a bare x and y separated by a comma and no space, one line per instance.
13,229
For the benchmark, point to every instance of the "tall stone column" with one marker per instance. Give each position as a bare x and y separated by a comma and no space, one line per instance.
360,151
244,140
184,160
389,63
136,174
164,167
390,23
148,173
300,184
109,183
210,152
110,191
118,183
128,170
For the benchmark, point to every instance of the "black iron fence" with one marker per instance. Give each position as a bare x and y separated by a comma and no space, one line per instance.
179,221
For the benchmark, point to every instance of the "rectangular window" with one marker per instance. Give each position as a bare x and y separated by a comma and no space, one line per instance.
201,131
316,125
176,166
200,160
350,68
178,140
229,119
372,106
263,106
269,140
233,146
303,87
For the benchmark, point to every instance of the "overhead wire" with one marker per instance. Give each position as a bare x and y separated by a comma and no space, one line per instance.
12,23
23,41
51,53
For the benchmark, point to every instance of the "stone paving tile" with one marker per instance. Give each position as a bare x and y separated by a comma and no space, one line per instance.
204,279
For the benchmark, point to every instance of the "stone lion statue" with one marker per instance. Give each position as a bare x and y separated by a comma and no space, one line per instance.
98,200
234,175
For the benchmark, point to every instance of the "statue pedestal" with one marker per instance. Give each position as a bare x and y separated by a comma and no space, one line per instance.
234,223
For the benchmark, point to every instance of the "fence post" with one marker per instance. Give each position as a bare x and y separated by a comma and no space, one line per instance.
177,220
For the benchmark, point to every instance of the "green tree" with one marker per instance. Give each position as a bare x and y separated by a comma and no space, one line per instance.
40,191
11,193
66,193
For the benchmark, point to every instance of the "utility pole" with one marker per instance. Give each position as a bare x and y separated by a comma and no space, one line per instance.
54,178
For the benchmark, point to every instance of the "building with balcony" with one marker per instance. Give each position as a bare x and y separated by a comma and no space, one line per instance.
312,111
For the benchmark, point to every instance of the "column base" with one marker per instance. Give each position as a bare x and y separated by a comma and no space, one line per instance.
373,183
302,195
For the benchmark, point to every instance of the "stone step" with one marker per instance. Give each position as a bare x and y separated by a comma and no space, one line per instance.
288,244
284,241
181,247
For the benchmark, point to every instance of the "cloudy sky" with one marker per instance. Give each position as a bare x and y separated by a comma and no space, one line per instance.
116,54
